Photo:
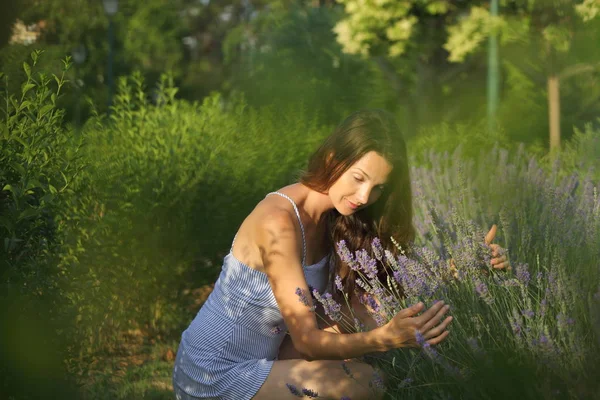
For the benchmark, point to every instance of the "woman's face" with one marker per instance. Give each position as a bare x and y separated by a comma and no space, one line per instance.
361,185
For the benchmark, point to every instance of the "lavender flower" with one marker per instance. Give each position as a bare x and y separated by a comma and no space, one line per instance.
543,307
338,283
346,256
528,313
372,303
358,325
538,278
563,321
483,291
303,298
294,390
331,307
276,330
389,258
377,381
516,327
522,273
310,393
367,264
377,249
405,382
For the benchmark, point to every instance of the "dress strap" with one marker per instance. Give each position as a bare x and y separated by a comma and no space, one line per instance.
299,221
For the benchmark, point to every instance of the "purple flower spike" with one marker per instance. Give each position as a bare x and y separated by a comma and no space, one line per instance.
338,283
377,249
522,273
405,382
377,381
331,307
483,292
303,298
310,393
367,264
294,390
528,313
346,256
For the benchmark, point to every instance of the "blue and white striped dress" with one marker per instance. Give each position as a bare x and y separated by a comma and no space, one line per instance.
228,350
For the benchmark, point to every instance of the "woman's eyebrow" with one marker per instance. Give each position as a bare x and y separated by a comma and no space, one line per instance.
368,177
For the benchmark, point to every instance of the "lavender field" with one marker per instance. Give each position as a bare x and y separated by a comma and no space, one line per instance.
532,332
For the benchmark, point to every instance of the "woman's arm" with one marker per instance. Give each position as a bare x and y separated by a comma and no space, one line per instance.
278,240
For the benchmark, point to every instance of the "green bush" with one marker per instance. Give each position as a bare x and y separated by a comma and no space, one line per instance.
445,138
579,156
39,159
167,185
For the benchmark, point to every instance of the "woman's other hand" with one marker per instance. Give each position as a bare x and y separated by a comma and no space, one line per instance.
499,259
403,327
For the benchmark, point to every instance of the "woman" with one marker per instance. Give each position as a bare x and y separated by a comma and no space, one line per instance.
356,188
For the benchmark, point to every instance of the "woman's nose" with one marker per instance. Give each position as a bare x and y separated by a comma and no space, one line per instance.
363,195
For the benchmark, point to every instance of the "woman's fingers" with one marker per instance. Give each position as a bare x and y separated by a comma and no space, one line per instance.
438,330
410,311
429,314
491,234
504,265
438,339
432,322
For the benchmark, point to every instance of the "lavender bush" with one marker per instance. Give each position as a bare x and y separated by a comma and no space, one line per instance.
532,332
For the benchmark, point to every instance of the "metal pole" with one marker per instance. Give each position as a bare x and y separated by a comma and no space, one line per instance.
493,72
110,64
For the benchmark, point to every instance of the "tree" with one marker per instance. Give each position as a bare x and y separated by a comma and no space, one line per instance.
390,27
551,25
405,38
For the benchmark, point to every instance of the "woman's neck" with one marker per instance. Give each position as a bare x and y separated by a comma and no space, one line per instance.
313,203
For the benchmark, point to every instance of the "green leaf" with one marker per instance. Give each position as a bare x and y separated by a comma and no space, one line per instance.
24,104
18,139
47,198
27,69
52,189
27,87
8,188
44,110
28,213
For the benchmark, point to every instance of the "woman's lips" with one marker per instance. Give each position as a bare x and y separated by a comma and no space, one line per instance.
352,205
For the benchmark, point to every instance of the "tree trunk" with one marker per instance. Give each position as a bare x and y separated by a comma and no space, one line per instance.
554,111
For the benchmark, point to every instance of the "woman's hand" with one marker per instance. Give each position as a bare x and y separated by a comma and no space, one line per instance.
403,327
499,260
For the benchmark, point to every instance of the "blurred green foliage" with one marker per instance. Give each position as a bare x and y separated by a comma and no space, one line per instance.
39,160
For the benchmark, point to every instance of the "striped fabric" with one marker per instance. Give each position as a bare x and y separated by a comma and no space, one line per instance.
228,350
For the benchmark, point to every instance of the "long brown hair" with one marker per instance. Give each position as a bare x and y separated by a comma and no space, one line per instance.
391,215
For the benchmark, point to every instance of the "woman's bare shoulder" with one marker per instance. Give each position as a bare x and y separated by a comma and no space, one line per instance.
273,216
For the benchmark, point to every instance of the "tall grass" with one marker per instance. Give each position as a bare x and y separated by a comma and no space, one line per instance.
533,332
